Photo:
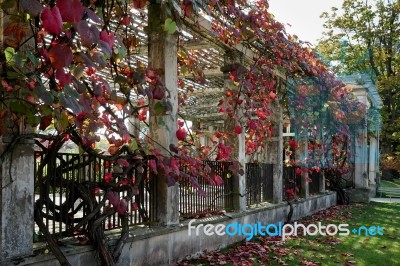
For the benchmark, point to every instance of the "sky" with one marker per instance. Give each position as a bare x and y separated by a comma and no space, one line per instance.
303,16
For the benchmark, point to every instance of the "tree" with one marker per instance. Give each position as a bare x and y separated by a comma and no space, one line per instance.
363,36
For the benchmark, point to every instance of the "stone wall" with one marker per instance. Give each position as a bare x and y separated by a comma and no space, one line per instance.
165,246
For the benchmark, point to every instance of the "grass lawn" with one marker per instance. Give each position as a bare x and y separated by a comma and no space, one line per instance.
392,184
320,250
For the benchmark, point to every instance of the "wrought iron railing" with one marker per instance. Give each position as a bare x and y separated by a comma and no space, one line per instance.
313,186
259,183
291,183
210,197
57,180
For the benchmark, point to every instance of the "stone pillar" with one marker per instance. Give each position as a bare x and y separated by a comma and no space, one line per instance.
17,199
239,196
276,157
361,160
163,125
373,158
17,189
237,141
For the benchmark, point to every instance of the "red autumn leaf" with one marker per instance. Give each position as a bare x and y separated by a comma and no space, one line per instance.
89,34
124,182
113,198
70,10
308,180
272,95
108,38
238,130
96,191
298,171
51,20
63,78
153,166
113,149
292,144
134,206
218,180
187,7
158,92
139,4
223,152
45,121
108,177
181,133
180,122
123,162
5,85
122,207
142,114
60,55
173,148
125,20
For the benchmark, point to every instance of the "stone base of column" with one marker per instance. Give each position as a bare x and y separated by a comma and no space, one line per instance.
359,195
277,183
239,193
167,203
17,199
305,191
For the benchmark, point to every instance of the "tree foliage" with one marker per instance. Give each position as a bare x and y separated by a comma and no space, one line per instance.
363,36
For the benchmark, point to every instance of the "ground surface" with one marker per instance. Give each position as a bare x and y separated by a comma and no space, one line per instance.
321,250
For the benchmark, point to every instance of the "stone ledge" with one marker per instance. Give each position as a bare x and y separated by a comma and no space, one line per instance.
167,245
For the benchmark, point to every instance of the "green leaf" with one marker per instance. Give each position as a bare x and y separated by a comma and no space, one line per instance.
9,52
33,59
14,75
159,108
45,110
170,26
122,52
32,119
71,103
13,58
133,146
63,121
17,107
121,79
44,95
71,92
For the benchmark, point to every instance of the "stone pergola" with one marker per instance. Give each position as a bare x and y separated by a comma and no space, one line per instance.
159,51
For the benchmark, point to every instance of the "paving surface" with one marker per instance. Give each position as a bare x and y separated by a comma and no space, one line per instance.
394,200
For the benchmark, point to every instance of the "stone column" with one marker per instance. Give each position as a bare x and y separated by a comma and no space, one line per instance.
275,155
237,141
17,189
17,199
163,125
239,198
373,154
361,160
